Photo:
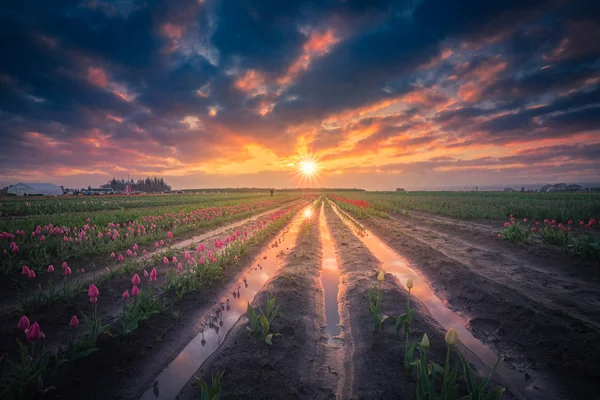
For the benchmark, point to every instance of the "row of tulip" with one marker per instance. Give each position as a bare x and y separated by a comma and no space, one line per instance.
69,204
434,381
49,243
580,239
196,269
359,208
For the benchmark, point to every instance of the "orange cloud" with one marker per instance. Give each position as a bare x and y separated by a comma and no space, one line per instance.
97,77
317,45
171,31
251,82
469,92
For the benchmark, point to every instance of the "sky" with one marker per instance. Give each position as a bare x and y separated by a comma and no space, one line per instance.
383,94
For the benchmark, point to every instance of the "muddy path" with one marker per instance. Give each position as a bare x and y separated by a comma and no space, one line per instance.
376,357
536,307
299,363
125,366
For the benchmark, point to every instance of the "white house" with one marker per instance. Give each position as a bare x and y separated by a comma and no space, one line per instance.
29,189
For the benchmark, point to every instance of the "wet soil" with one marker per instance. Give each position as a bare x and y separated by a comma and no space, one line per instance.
295,366
376,357
124,367
536,307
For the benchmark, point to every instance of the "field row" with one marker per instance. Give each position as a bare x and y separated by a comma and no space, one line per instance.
485,205
75,318
18,206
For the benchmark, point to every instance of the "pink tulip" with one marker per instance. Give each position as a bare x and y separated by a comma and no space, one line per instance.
126,294
34,332
93,291
135,280
187,255
42,238
64,265
201,260
153,274
31,274
93,300
174,259
144,252
179,267
82,270
121,258
170,235
23,323
135,291
533,229
25,270
68,271
74,322
135,247
200,247
50,268
156,245
499,236
570,222
524,219
129,253
162,242
165,260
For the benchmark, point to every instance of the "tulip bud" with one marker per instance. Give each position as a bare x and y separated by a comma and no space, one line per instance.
380,276
50,268
409,283
451,337
23,323
135,280
74,321
125,295
135,291
425,342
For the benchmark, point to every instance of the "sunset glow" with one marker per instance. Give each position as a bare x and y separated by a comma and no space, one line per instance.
383,96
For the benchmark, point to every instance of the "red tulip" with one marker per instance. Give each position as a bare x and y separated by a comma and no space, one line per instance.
34,332
153,274
74,322
135,291
31,274
170,235
135,280
23,323
67,271
25,270
93,291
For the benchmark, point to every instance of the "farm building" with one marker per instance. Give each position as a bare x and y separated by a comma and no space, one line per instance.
30,189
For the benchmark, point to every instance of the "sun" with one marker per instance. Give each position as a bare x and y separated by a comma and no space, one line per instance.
308,168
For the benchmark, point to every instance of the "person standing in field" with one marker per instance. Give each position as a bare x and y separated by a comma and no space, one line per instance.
272,191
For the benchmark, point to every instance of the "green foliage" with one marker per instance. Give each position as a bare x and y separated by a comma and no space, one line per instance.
25,379
375,306
477,389
211,391
516,233
260,322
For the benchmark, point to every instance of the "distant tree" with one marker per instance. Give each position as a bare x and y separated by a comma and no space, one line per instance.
522,188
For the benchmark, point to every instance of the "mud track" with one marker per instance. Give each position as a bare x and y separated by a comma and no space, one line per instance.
125,366
538,308
296,365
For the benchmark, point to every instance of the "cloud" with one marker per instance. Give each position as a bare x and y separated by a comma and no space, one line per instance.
383,91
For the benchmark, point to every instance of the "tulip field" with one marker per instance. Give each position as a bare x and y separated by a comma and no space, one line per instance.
435,295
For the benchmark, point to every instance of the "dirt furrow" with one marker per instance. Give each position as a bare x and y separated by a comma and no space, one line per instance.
535,279
377,357
125,366
295,366
538,339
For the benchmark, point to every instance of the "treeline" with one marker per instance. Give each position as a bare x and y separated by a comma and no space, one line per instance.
141,185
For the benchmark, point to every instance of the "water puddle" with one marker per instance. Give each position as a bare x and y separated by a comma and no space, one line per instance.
330,277
393,263
223,316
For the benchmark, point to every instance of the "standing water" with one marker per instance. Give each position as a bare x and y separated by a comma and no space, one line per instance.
330,277
393,263
222,317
